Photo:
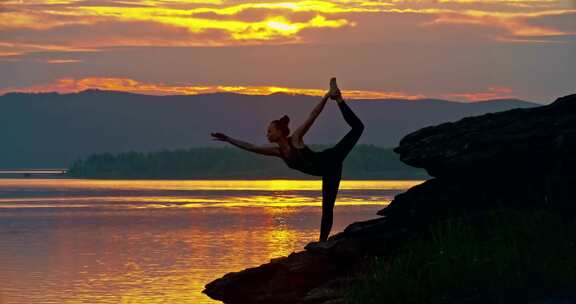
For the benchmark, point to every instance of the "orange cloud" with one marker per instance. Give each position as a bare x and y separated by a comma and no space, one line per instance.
516,24
257,22
71,85
17,49
493,92
61,61
8,54
274,24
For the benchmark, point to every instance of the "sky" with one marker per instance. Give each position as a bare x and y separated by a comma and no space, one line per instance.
464,50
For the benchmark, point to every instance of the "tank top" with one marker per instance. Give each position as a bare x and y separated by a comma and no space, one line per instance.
303,159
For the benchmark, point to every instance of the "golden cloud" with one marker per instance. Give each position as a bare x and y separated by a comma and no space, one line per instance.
61,61
71,85
274,22
493,92
516,24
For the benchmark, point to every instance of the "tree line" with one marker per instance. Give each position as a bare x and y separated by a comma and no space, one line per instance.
364,162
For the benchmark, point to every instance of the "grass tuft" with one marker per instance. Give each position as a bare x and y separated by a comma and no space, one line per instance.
498,256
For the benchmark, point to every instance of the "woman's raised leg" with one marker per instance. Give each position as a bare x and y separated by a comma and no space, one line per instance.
330,185
345,145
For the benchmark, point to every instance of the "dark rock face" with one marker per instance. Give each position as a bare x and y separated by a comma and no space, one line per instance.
521,139
285,277
308,277
521,158
283,280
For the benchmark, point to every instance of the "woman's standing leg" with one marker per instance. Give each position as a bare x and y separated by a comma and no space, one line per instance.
345,145
330,185
335,159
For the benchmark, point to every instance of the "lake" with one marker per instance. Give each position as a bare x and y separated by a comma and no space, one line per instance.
158,241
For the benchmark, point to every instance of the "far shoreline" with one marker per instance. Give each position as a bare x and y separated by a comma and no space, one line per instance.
66,174
39,176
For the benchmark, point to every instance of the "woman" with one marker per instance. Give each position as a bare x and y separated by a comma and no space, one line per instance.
298,156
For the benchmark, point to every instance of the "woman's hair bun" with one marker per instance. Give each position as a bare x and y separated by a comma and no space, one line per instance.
282,123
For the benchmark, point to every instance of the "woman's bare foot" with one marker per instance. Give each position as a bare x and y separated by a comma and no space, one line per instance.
320,245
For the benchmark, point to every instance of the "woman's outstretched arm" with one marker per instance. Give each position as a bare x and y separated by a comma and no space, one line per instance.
301,131
265,150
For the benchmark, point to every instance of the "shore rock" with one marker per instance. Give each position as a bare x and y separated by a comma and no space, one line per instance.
526,140
521,158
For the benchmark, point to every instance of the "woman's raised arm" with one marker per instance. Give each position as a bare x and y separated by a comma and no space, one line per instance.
301,131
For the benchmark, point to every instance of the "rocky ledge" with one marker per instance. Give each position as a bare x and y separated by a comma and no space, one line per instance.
517,158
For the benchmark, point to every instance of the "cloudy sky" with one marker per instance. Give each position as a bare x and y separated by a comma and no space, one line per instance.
464,50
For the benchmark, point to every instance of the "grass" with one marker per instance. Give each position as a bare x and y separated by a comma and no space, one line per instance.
502,255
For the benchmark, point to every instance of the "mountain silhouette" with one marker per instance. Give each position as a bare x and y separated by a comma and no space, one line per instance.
44,130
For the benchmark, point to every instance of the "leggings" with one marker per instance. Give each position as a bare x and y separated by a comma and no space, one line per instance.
331,181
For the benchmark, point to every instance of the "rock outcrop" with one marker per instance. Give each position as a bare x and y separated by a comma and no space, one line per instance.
517,158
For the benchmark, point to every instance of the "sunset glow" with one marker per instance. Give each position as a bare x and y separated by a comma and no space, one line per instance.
391,49
130,85
222,22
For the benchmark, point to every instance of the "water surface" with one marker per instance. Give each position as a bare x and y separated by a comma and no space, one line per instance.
134,241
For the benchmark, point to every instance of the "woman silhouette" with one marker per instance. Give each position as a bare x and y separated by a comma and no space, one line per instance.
326,163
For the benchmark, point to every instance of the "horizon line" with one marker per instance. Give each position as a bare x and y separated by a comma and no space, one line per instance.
269,94
131,86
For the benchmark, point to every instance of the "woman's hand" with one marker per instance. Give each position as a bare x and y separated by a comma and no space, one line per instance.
220,137
334,93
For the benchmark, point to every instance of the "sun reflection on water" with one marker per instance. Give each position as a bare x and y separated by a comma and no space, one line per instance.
157,241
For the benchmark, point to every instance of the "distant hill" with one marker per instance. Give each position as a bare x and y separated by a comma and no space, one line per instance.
43,130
